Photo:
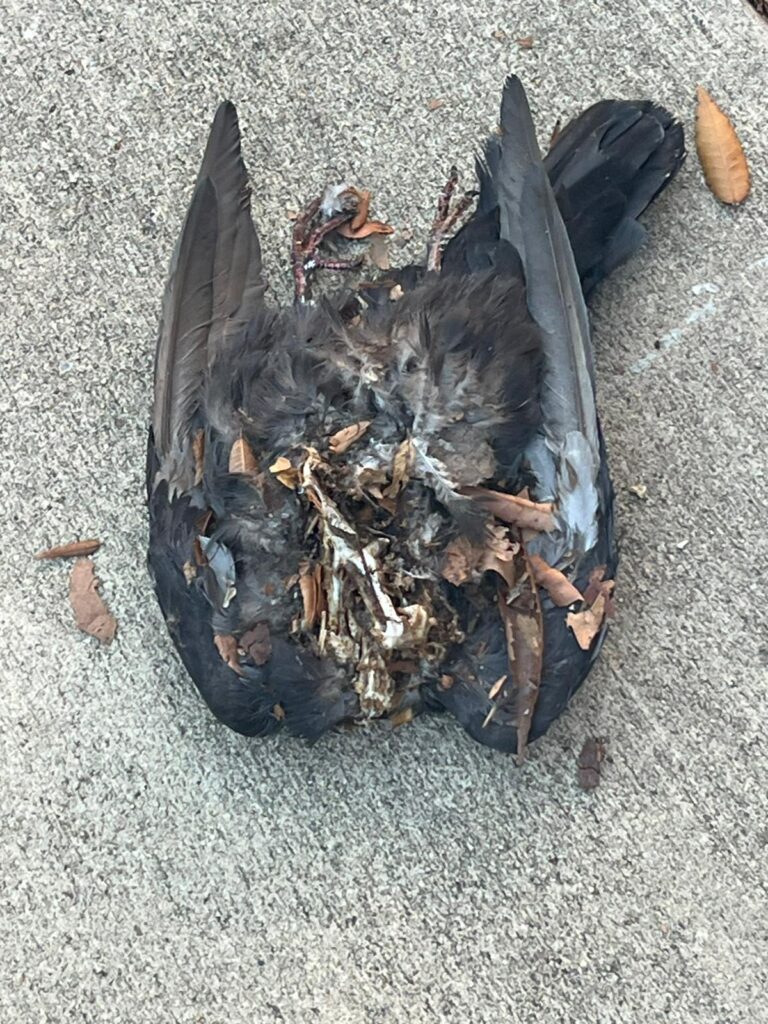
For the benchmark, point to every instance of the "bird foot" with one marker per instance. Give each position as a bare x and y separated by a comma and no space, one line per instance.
446,218
309,232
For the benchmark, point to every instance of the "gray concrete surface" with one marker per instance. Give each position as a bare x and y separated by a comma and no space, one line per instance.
157,868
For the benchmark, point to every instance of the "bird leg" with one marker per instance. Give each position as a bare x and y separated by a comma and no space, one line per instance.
308,236
446,218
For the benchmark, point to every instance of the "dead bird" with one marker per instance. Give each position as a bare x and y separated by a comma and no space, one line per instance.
396,498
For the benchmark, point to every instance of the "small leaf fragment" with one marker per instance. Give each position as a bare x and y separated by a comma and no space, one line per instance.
401,468
557,585
75,549
285,472
226,645
590,761
198,450
241,458
435,104
346,437
639,491
494,690
499,35
256,643
721,153
525,43
91,613
596,586
587,624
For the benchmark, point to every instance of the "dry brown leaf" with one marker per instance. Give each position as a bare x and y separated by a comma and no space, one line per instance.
587,624
722,157
310,584
435,104
526,43
198,450
285,472
256,643
513,509
226,645
363,206
401,468
590,761
346,437
371,227
91,613
524,631
460,560
241,458
75,549
597,586
558,586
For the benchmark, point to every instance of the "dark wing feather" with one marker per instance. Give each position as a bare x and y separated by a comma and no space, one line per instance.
215,287
606,167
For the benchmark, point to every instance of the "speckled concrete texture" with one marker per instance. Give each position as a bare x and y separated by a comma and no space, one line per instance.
156,867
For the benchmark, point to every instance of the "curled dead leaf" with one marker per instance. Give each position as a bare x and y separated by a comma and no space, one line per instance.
226,645
256,643
587,624
285,472
75,549
241,458
371,227
513,509
363,206
91,613
557,585
721,153
401,468
346,437
310,585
